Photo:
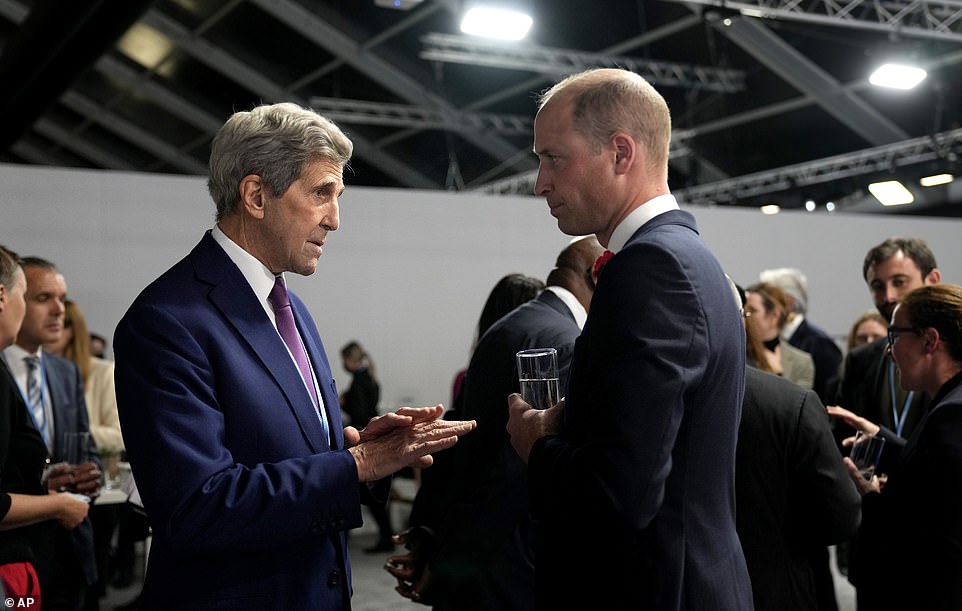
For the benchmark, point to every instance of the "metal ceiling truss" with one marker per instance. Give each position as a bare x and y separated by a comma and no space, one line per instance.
941,20
886,158
946,145
553,61
362,59
417,117
240,72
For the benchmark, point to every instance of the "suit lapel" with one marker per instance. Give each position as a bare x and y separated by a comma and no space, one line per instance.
232,296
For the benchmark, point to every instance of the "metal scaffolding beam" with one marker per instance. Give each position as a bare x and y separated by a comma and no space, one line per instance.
938,19
548,60
944,145
402,115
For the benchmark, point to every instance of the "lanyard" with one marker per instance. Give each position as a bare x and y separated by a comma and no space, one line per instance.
898,418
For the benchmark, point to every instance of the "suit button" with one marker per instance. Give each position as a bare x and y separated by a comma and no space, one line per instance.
333,579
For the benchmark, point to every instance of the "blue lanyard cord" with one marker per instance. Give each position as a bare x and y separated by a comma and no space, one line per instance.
897,418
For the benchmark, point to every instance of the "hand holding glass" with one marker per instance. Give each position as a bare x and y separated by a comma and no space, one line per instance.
538,375
866,452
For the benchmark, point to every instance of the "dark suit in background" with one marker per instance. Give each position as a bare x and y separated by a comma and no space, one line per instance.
484,558
825,354
636,496
794,495
73,566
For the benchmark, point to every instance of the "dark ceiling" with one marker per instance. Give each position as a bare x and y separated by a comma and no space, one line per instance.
765,110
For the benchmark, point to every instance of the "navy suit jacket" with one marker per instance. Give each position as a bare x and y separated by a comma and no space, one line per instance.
636,495
248,501
70,415
486,539
825,354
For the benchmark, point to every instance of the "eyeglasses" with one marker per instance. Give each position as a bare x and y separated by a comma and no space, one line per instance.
894,332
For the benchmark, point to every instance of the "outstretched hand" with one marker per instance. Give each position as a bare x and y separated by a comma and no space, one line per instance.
853,420
405,438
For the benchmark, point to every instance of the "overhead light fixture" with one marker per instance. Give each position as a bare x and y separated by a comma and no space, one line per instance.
771,209
936,180
810,205
400,5
891,193
897,76
496,21
830,206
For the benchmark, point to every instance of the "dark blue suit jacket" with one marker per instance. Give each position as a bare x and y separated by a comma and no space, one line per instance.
486,537
248,501
70,415
636,496
825,354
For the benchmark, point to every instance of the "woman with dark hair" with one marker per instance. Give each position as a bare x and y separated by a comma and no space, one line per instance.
910,541
510,291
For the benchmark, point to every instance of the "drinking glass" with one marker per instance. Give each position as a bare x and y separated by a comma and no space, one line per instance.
538,374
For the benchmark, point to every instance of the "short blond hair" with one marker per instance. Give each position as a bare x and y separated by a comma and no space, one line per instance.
608,100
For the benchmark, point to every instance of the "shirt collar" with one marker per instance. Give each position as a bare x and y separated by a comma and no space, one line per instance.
791,326
638,217
260,279
569,299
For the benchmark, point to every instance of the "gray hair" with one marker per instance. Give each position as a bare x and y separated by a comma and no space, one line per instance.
793,282
272,141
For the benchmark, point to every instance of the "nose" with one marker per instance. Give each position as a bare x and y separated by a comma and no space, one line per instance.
891,294
331,220
541,182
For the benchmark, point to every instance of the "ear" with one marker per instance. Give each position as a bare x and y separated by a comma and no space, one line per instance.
252,194
627,152
933,277
930,339
3,297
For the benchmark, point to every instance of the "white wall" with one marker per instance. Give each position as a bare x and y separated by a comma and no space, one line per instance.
408,271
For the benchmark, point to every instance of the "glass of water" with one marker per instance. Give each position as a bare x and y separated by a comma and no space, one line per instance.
538,374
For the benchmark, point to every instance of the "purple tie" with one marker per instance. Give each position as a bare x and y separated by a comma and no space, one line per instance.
288,330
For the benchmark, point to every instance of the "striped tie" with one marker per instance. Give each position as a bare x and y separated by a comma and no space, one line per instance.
35,394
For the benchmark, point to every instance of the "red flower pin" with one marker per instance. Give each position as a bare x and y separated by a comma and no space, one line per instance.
599,263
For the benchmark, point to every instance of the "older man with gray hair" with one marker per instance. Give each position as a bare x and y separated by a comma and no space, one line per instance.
802,334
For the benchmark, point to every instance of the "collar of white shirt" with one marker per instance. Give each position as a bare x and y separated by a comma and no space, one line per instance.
569,299
260,279
638,217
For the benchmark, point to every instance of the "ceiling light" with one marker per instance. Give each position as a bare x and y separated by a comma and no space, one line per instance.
771,209
495,22
400,5
891,193
936,179
810,205
897,76
830,206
